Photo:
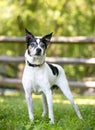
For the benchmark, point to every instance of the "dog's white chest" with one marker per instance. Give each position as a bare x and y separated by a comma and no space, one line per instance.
35,84
36,88
32,79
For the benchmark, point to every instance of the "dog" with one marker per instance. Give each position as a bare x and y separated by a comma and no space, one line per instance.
40,76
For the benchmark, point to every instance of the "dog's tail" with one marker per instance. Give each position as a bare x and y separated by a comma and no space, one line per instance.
64,86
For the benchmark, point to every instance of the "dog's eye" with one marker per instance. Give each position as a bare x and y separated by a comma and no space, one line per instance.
33,44
42,45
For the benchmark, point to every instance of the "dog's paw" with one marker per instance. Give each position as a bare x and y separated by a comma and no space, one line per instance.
31,118
43,114
51,121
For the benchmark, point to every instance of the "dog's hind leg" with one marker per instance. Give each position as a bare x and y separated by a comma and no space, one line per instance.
63,85
45,106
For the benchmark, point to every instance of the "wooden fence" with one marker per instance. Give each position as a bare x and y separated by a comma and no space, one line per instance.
8,82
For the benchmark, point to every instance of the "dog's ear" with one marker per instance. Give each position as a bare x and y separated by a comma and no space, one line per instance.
46,39
29,35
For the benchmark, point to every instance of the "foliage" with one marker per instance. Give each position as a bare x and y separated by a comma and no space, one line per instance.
14,114
64,18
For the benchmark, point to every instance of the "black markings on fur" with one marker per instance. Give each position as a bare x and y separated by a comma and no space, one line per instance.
33,40
54,87
29,52
54,69
42,40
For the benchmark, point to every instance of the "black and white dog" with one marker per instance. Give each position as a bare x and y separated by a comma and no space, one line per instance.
40,77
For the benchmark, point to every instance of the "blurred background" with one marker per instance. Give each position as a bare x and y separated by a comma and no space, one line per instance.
63,18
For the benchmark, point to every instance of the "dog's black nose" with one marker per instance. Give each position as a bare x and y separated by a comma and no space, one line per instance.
38,51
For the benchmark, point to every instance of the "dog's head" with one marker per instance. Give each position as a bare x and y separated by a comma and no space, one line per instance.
37,46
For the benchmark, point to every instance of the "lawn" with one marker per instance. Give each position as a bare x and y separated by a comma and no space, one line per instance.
14,114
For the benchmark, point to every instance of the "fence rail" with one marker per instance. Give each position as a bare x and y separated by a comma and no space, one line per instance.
79,39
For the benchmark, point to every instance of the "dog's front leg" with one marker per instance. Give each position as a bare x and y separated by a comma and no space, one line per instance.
30,106
45,106
50,106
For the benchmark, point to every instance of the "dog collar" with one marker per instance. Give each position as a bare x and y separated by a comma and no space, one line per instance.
35,65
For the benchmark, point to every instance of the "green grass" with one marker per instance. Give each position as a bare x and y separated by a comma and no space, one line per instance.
14,114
